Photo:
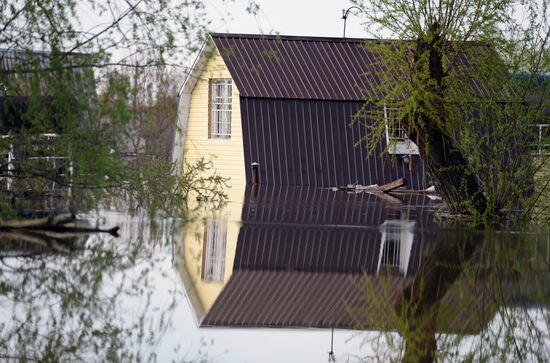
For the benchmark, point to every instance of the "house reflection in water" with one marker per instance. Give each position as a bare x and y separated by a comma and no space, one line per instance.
293,256
302,253
300,257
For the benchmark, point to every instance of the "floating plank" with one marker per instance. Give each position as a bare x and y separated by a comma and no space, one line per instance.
357,188
60,223
393,185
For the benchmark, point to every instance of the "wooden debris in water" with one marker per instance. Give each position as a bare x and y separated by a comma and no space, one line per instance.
59,223
388,187
375,187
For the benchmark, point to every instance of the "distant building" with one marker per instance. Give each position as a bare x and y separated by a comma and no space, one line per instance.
42,96
26,95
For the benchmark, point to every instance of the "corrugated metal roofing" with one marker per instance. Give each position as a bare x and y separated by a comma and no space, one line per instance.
338,69
24,60
19,66
287,299
308,257
291,205
21,61
318,230
298,67
307,248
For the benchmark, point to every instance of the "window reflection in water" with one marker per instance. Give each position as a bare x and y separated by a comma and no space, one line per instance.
395,245
213,256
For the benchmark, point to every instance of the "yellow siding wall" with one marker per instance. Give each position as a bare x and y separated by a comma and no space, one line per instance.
226,154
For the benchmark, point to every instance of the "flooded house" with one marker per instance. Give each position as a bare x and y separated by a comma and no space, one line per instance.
289,252
284,105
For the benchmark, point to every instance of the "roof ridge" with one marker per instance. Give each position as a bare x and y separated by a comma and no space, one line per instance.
293,37
319,38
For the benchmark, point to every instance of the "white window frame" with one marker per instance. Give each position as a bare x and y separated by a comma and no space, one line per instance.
400,144
220,108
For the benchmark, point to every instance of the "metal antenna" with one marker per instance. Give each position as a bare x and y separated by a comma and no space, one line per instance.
345,14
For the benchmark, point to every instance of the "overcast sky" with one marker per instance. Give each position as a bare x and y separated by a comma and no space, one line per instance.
287,17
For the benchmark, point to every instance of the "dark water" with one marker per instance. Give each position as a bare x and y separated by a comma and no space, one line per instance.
270,278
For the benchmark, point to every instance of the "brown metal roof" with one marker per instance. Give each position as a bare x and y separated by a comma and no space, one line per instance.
308,248
292,205
298,67
338,69
316,230
310,142
315,263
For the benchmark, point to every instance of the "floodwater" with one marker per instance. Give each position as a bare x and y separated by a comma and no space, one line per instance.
280,274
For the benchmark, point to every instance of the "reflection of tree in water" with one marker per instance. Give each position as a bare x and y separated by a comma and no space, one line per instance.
93,303
476,296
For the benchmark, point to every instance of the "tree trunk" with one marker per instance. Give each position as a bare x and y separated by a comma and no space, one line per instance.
446,165
450,173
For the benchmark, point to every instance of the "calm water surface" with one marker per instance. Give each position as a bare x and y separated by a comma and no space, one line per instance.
271,277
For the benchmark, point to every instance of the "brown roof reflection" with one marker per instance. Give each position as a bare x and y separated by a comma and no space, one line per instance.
283,299
308,257
287,299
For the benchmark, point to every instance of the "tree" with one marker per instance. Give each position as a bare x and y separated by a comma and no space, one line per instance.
54,66
466,93
471,85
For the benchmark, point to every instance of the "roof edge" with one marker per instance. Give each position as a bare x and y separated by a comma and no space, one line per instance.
323,38
292,37
197,66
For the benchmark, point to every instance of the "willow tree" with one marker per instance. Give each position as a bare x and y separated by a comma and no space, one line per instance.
465,77
57,61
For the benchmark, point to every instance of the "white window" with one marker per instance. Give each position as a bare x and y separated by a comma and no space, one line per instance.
396,138
220,106
214,250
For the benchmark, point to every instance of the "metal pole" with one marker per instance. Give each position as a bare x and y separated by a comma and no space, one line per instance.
255,173
345,17
345,14
331,357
